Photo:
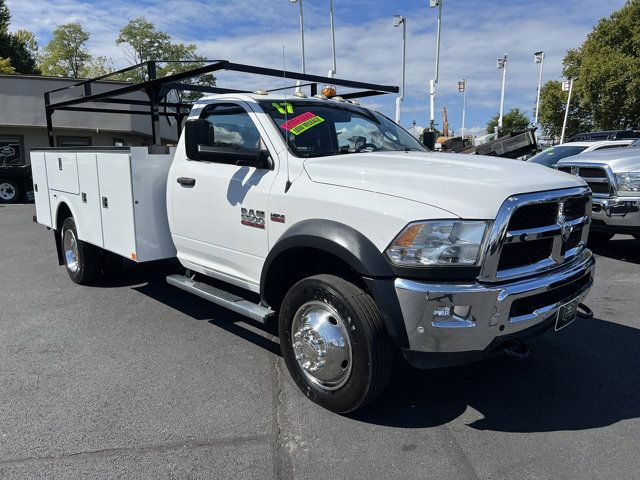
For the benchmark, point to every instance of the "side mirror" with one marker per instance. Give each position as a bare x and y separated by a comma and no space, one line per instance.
197,132
255,158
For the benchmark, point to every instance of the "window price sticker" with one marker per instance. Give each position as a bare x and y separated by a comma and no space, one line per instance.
302,123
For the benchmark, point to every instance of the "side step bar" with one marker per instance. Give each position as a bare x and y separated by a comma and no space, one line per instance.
224,299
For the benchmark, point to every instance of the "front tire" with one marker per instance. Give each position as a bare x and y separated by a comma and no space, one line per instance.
81,259
9,191
334,343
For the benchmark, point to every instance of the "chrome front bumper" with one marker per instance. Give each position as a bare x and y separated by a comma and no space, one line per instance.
491,305
616,212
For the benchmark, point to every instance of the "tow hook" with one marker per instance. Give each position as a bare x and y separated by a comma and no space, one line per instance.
584,312
516,349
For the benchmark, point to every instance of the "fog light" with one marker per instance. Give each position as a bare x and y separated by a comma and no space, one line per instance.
452,316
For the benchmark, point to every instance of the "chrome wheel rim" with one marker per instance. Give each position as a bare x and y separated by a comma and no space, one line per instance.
321,345
7,191
70,246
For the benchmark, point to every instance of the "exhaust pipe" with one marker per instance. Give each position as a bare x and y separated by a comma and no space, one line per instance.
516,349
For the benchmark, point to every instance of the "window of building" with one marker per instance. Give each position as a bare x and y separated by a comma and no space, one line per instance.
11,149
65,141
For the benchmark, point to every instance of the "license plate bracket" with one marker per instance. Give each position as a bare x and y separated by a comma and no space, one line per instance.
567,313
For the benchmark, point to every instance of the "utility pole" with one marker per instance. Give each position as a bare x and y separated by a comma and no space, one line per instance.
566,85
462,87
299,2
502,64
433,82
333,71
397,21
539,58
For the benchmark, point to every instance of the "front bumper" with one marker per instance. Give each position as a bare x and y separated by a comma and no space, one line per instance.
616,214
496,311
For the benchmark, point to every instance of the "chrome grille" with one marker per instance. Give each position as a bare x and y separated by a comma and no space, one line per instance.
537,232
597,178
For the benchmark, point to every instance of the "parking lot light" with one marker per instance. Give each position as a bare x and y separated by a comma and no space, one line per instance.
502,64
397,21
539,58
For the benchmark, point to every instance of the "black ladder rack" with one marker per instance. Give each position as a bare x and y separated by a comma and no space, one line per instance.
157,89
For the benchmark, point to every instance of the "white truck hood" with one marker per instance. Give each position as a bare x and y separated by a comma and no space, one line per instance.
468,186
624,159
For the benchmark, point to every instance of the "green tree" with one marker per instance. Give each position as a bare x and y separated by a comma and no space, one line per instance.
553,102
29,41
513,121
141,42
5,16
606,69
66,54
5,67
13,47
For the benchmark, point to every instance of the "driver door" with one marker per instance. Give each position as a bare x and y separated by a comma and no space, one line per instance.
219,222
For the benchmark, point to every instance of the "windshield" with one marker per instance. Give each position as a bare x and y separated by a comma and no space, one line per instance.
315,128
553,155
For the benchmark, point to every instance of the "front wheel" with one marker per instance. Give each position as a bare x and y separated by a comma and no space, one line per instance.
9,191
334,343
81,259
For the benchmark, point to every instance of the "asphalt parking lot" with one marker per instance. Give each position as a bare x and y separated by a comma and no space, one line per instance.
140,380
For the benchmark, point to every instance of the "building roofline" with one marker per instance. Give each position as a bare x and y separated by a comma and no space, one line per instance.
65,79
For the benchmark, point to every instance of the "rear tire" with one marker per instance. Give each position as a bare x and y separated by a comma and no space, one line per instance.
596,238
9,191
334,343
82,260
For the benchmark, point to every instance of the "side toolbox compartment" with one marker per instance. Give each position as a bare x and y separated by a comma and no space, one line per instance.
116,203
149,174
89,214
62,172
40,188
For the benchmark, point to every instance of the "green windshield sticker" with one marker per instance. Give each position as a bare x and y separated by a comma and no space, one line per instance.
282,106
302,123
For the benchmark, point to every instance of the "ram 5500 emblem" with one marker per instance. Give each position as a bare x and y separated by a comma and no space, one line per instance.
252,218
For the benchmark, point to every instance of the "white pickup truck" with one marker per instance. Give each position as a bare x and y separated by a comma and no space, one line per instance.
614,178
332,220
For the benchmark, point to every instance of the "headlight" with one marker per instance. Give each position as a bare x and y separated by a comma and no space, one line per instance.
441,242
628,182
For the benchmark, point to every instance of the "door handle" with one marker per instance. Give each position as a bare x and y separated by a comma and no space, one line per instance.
186,181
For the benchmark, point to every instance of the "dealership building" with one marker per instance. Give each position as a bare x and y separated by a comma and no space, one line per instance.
23,120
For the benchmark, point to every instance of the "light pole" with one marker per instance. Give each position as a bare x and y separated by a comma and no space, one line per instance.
333,70
462,87
502,64
299,2
566,85
397,21
434,80
539,58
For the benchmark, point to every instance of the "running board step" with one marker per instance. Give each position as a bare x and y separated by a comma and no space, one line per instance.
223,298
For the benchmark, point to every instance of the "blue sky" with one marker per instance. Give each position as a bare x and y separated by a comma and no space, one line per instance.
474,34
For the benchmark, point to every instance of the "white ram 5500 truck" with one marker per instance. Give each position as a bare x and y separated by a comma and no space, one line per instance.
339,225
